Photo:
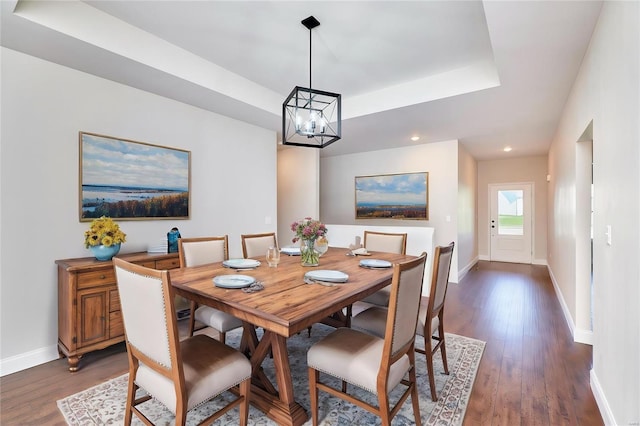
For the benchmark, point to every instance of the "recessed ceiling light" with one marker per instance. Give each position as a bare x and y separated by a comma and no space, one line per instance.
415,138
507,149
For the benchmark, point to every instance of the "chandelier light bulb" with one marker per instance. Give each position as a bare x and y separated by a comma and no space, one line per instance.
298,121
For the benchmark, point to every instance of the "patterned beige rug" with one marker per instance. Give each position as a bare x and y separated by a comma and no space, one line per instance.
104,404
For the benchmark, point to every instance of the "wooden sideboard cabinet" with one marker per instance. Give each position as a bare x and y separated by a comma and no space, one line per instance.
89,316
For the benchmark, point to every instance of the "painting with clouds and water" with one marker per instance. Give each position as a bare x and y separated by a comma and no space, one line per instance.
125,179
397,196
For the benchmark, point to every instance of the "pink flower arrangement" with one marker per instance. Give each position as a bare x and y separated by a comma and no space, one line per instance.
308,229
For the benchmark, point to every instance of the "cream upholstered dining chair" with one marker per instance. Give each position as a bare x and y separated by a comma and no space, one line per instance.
389,243
179,374
376,364
430,320
256,245
200,251
385,241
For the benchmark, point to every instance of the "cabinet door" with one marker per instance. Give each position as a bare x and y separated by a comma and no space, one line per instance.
93,316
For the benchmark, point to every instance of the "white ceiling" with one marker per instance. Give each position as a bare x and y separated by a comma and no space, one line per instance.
489,74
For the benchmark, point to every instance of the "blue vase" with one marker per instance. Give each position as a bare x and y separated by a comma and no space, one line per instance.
105,253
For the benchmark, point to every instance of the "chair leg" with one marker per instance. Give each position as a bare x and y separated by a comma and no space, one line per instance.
131,394
385,411
245,393
309,331
414,389
192,318
443,348
429,354
181,414
313,395
223,337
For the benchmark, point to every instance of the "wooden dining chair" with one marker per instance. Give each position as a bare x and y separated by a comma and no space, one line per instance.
180,374
256,245
430,319
389,243
375,364
200,251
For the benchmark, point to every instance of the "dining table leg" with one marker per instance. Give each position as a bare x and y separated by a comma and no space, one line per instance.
278,404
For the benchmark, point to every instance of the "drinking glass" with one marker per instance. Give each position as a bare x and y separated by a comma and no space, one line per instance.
273,257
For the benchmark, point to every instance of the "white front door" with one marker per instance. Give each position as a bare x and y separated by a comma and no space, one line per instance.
510,222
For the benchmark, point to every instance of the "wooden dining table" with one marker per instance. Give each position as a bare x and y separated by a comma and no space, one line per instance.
286,306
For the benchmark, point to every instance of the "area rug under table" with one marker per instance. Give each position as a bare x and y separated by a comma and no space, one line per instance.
104,404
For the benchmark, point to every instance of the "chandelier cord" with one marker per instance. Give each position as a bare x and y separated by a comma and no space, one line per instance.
309,58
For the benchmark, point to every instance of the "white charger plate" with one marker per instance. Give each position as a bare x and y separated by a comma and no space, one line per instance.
241,263
328,275
291,251
233,281
375,263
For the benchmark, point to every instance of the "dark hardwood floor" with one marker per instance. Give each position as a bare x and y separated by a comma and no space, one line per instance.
531,373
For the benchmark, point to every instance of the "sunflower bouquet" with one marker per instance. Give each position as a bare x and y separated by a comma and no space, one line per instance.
104,231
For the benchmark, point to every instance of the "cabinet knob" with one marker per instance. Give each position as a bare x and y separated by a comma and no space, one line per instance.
102,277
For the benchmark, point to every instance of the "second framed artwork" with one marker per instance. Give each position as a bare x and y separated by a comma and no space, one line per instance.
129,180
394,196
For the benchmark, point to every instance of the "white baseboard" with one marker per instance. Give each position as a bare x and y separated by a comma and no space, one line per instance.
581,335
462,272
563,304
27,360
533,262
601,400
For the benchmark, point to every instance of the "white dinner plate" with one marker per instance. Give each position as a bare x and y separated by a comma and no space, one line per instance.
233,281
328,275
291,251
375,263
241,263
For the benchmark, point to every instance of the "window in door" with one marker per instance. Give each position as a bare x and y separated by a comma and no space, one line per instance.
511,212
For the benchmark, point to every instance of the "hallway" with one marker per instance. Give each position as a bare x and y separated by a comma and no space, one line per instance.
531,372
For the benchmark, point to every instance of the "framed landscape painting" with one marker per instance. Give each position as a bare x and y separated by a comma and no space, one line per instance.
396,196
129,180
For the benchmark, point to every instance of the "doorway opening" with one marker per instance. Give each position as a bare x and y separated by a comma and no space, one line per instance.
585,193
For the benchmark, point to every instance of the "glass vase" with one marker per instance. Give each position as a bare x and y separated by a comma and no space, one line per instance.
308,254
322,245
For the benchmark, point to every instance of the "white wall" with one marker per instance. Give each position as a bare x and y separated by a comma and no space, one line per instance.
44,105
467,245
607,91
514,170
337,187
298,188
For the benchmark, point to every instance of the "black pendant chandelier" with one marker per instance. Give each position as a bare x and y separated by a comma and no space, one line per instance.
311,117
